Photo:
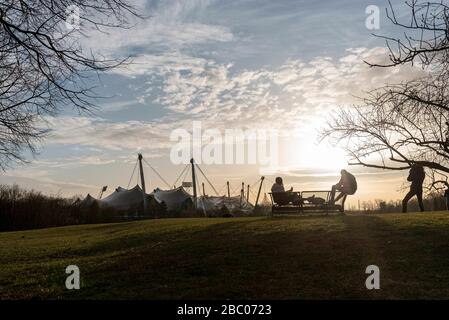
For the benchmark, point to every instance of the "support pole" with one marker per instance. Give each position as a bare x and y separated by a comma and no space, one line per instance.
142,182
229,192
258,192
194,183
247,194
103,189
204,192
243,189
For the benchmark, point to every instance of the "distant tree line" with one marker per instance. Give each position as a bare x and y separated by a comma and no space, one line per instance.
22,209
433,202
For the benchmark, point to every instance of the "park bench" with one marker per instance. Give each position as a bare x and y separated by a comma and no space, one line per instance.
280,202
310,201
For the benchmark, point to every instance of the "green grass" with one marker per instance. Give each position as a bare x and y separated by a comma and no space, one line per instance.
305,257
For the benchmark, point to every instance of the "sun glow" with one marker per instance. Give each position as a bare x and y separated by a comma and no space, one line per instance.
305,154
301,150
320,157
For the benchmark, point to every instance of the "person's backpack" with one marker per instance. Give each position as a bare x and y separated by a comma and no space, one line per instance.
352,188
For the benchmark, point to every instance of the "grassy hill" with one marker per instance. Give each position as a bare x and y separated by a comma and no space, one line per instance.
250,258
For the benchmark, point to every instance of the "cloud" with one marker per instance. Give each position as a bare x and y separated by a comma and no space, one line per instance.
106,135
36,181
154,64
292,98
65,162
203,88
171,26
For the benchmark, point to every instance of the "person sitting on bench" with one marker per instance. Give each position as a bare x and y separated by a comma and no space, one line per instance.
278,187
346,186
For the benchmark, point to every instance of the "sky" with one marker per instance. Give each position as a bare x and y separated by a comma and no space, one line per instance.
279,65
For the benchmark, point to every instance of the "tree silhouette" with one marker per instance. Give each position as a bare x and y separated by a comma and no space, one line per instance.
398,125
43,67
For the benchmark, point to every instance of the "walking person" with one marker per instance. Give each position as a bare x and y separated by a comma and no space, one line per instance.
416,177
446,197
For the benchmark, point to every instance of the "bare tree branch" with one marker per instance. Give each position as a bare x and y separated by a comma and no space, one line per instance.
43,67
396,126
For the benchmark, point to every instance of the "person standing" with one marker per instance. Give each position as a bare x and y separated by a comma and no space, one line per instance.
416,177
446,197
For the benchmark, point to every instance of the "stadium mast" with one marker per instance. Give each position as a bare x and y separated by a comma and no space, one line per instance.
142,181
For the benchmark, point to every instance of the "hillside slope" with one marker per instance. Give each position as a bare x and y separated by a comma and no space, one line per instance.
250,258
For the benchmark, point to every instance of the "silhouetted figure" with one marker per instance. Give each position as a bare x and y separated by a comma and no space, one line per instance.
346,186
278,186
446,197
416,177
